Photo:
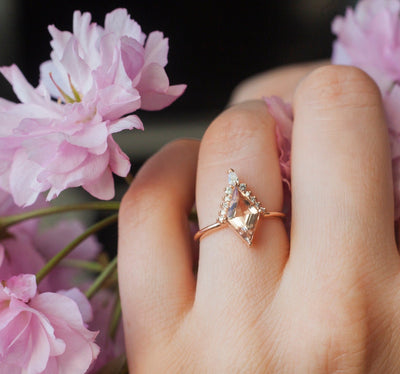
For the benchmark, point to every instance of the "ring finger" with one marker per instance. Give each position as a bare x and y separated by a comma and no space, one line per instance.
242,138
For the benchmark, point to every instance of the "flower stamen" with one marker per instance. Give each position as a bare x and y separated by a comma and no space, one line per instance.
77,97
68,99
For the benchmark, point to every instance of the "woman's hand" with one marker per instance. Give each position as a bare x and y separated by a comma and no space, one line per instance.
328,301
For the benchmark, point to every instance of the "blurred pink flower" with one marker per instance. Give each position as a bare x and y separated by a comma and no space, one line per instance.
29,247
42,333
283,115
51,240
368,37
103,304
99,76
20,254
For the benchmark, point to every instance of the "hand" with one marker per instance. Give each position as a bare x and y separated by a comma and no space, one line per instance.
326,302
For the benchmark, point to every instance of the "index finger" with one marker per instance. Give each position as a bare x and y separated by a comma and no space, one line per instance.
280,82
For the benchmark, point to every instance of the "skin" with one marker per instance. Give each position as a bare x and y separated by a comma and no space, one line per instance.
328,300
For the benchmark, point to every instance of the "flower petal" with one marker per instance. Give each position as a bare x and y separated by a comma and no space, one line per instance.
132,54
156,50
120,23
102,187
24,91
23,287
119,161
81,300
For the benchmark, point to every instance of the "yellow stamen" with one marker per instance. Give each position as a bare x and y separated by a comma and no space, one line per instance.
74,91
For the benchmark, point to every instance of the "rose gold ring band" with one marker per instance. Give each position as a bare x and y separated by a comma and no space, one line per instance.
218,225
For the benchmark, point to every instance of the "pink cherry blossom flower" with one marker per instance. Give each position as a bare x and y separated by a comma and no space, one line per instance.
369,37
42,333
100,76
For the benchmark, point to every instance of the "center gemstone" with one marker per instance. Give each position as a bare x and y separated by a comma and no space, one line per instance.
242,215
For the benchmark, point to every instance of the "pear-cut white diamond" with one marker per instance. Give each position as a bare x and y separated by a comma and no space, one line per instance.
233,178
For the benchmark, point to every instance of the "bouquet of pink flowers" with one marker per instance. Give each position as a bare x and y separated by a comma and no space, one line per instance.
55,315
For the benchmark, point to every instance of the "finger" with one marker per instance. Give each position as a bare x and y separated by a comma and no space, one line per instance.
280,82
154,257
242,138
341,174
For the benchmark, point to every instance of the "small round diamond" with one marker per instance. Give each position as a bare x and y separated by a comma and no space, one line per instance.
242,186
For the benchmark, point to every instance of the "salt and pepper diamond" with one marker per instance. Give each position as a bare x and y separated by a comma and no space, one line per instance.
240,208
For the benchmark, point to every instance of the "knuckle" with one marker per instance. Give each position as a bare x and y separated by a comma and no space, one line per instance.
182,144
236,125
338,86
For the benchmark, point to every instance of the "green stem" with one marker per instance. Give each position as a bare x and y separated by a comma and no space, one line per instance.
129,178
193,216
99,281
95,205
125,369
92,266
115,318
71,246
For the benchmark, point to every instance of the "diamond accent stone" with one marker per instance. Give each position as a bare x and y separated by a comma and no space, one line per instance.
242,186
228,190
243,215
232,178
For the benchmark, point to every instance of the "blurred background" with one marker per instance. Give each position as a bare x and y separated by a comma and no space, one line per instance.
214,45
